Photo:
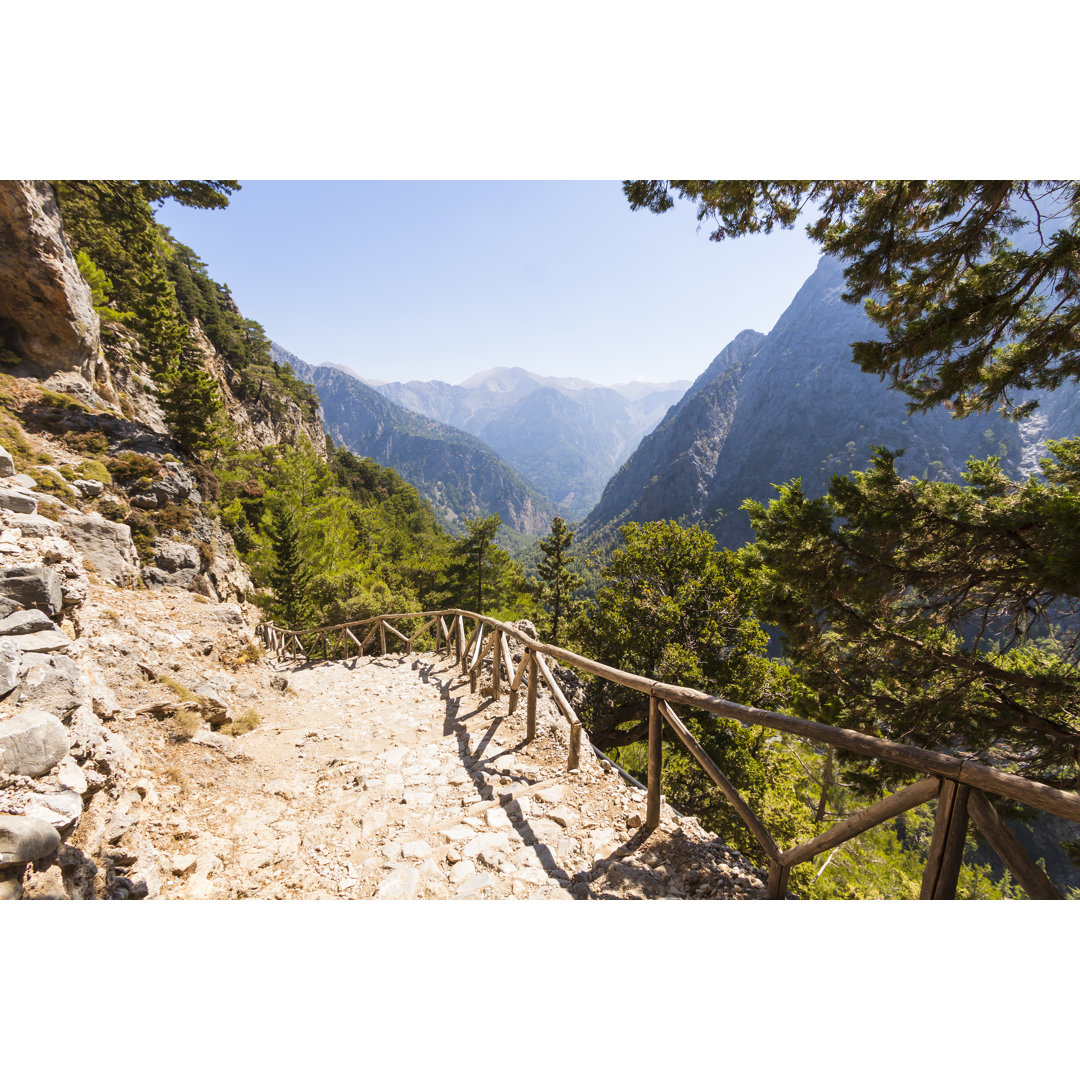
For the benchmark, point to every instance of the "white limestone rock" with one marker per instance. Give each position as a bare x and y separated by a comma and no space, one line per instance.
401,884
24,839
105,546
31,743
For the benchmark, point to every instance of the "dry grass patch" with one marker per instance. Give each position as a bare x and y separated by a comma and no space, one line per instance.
184,725
178,778
249,654
179,689
247,721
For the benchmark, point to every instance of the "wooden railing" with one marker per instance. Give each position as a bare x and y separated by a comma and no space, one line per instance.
959,784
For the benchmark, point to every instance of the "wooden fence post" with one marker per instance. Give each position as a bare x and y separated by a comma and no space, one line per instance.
947,844
474,667
652,814
573,758
382,637
530,713
496,667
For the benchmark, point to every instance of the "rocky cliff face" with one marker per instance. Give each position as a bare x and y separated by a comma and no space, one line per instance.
93,498
459,474
792,404
673,471
264,420
47,318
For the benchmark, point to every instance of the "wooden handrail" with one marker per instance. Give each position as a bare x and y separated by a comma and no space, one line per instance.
962,773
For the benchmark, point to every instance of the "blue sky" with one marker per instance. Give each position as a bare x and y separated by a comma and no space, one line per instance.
427,279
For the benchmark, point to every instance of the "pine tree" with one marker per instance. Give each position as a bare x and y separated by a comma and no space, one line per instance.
191,400
559,581
475,547
290,575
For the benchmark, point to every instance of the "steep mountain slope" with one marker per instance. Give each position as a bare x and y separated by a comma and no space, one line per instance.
792,404
459,474
566,436
672,472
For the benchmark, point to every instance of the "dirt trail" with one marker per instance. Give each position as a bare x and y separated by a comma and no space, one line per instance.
385,777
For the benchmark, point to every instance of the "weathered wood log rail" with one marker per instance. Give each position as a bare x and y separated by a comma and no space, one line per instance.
958,784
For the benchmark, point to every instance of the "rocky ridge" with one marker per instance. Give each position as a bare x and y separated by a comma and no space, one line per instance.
791,404
460,475
565,436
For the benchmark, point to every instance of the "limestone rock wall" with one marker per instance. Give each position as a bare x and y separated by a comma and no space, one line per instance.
47,316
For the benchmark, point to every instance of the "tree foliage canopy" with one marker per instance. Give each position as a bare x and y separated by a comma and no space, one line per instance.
932,612
971,317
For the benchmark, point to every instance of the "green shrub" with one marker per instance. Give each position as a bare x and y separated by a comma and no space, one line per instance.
87,442
185,725
179,689
174,516
95,470
143,534
112,510
128,468
248,720
13,439
63,402
47,482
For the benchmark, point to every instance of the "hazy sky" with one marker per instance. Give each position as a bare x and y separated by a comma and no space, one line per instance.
425,279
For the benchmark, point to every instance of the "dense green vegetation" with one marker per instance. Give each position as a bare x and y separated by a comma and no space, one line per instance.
159,288
936,612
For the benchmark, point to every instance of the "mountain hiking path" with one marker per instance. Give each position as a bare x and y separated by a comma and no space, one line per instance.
379,777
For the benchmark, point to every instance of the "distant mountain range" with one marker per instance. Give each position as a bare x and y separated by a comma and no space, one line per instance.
565,436
793,404
459,474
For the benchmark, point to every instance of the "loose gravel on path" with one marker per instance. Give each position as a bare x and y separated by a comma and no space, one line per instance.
384,777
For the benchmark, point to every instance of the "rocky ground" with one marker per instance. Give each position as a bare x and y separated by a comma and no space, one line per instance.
383,777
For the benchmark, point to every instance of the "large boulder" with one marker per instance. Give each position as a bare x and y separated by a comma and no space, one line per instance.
32,586
104,545
88,489
7,463
31,743
25,839
60,809
233,618
171,556
34,525
51,683
18,502
174,486
93,743
46,309
44,641
26,622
